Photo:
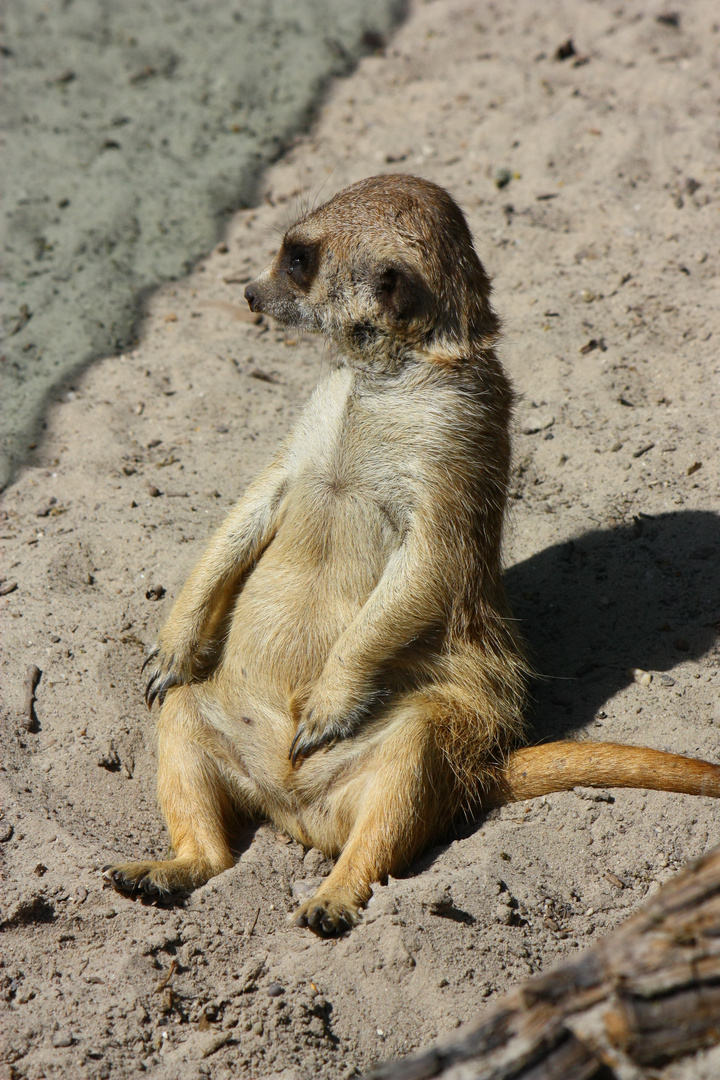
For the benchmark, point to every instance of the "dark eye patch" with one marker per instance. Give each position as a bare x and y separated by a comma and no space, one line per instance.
300,263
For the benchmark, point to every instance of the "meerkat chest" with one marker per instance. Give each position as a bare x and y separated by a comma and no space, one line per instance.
346,454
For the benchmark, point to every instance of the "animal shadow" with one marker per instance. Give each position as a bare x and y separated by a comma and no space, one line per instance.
646,595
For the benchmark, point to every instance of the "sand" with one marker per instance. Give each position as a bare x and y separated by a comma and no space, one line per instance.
131,133
603,248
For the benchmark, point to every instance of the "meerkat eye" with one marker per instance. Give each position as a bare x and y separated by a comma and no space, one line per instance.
301,263
298,262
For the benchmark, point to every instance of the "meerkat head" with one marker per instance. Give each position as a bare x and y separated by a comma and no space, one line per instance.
386,268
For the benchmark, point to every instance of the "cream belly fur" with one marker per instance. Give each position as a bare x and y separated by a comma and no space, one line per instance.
343,661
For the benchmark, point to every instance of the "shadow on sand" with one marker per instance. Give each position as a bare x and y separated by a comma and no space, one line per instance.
646,595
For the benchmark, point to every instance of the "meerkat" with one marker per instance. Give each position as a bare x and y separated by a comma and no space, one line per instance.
342,660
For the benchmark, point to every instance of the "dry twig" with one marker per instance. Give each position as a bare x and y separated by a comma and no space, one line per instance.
29,718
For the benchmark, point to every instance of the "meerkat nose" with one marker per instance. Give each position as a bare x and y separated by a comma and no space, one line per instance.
251,296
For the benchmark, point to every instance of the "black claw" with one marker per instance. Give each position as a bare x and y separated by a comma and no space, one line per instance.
120,883
168,682
158,687
149,695
301,920
155,651
149,887
153,689
302,746
150,689
294,751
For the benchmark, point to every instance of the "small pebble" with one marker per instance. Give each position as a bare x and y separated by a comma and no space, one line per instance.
504,914
644,678
439,901
587,295
538,420
62,1038
275,990
566,50
667,680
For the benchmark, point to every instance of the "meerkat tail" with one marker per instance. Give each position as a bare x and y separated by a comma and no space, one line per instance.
561,766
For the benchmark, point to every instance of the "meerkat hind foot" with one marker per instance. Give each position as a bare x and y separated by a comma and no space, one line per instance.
328,915
161,880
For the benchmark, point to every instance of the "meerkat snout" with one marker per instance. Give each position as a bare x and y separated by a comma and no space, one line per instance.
279,290
251,296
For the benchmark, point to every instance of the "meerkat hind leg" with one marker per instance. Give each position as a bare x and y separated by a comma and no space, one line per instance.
403,807
196,802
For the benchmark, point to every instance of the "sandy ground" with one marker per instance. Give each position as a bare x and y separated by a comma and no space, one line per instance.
130,132
603,246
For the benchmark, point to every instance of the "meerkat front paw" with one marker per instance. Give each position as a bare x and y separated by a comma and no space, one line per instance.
314,732
171,663
326,719
163,675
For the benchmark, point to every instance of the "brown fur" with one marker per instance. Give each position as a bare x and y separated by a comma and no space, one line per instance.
342,661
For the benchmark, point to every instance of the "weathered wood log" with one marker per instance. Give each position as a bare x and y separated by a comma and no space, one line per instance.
645,995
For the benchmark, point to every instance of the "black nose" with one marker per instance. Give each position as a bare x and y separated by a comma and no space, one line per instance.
251,296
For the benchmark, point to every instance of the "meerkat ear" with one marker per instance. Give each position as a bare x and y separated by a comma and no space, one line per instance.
402,293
